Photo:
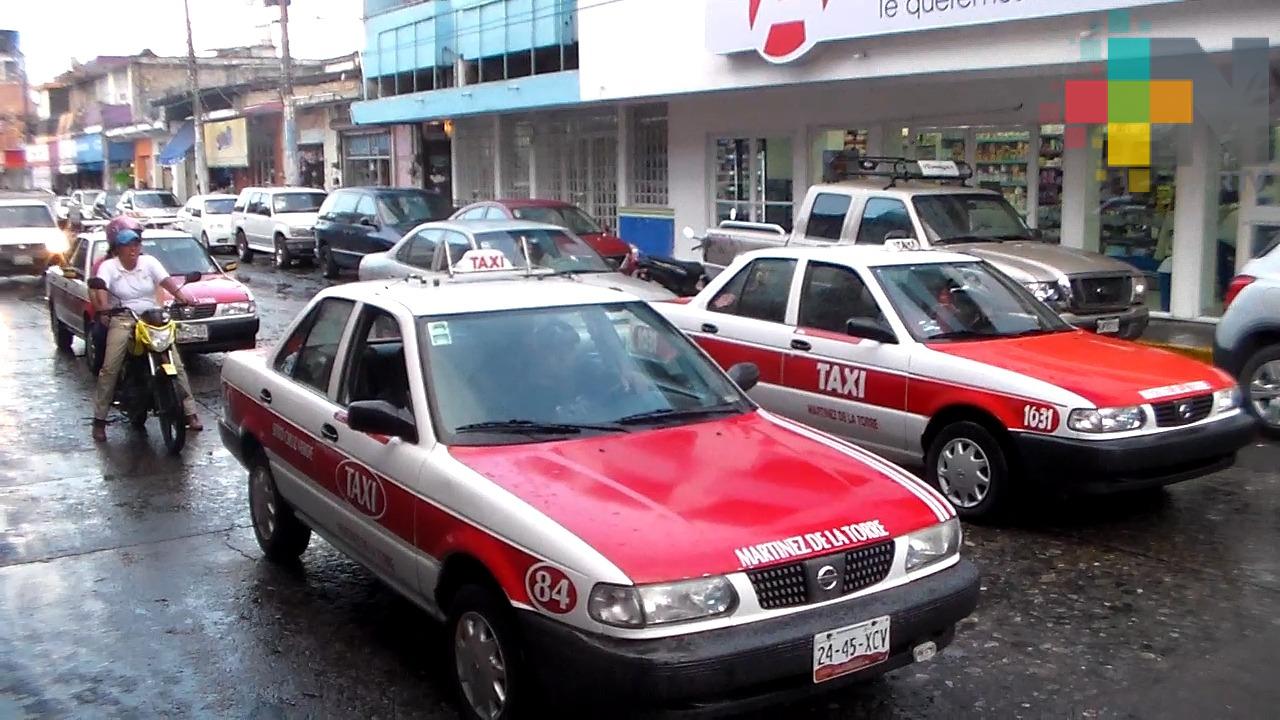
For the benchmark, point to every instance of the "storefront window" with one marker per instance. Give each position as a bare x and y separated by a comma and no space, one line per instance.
1136,214
366,159
833,150
754,180
1000,163
1049,200
945,144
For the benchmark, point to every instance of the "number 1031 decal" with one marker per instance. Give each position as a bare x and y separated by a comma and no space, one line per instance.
1039,417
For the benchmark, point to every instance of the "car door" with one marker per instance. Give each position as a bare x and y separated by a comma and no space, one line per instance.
65,286
746,321
379,477
849,386
365,227
259,221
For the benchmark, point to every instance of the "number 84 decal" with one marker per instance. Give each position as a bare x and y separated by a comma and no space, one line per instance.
550,589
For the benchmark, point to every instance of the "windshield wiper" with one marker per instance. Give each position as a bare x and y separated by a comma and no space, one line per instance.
965,239
1036,331
678,414
960,335
535,427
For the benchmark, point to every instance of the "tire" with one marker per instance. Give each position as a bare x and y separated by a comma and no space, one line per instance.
204,240
1260,385
477,613
968,465
173,425
281,535
329,265
283,258
91,348
61,333
242,247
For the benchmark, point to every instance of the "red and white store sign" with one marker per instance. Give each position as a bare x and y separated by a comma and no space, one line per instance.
784,30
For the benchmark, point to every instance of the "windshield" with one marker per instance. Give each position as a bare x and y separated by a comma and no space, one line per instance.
90,198
504,377
25,216
550,249
219,207
179,255
109,199
969,218
412,208
963,301
578,222
297,202
151,201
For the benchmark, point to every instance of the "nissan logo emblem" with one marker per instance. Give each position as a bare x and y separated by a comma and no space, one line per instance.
1186,410
827,578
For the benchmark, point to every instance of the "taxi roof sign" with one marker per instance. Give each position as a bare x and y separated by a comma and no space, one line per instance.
482,260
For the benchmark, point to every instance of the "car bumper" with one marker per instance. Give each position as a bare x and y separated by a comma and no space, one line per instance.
737,668
1133,322
1102,466
226,335
219,238
9,267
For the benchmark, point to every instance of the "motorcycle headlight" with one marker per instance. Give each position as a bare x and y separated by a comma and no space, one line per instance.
57,246
159,339
933,544
640,606
1139,289
1224,400
236,308
1107,420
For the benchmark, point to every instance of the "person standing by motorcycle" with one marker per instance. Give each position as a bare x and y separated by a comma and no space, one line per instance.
131,279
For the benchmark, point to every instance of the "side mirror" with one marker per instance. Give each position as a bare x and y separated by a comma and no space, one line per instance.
97,284
379,417
859,328
193,276
369,222
745,375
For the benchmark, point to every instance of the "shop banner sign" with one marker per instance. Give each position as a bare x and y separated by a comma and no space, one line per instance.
226,143
38,154
784,30
88,149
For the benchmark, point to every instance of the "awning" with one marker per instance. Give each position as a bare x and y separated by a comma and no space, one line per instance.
179,145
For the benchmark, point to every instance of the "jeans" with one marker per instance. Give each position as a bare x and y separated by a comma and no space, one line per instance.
119,335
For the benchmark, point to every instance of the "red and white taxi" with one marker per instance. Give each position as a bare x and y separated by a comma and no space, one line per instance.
587,500
938,356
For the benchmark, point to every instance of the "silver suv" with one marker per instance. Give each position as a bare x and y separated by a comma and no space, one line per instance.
1247,341
280,221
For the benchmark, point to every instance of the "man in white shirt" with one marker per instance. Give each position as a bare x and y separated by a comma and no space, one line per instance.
131,279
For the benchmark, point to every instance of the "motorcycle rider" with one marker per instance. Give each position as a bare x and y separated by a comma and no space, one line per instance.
132,279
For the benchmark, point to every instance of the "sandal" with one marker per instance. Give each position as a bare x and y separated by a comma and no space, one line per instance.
193,423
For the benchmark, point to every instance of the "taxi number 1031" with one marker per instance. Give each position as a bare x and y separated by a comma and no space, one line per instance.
1037,417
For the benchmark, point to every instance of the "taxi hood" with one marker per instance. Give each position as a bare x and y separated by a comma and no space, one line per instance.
1037,261
1102,370
211,289
643,289
712,497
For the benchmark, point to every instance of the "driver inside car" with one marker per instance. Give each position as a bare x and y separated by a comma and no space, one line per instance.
131,279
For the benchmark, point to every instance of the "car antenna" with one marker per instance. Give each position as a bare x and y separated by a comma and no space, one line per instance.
528,263
448,260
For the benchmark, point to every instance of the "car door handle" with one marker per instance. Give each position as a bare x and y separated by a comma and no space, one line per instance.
709,328
329,432
801,345
265,396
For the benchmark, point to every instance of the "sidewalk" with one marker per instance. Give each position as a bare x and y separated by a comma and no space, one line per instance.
1193,339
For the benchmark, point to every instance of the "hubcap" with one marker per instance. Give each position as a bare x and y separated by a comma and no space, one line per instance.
1264,392
482,671
263,503
964,474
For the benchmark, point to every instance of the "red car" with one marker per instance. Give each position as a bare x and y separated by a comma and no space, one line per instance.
224,316
554,212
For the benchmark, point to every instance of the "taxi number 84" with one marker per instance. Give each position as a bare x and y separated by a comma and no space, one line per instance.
547,590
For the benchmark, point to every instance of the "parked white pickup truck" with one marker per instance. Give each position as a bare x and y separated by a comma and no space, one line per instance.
29,234
927,204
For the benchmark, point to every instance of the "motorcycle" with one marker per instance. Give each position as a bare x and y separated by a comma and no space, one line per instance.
682,277
148,379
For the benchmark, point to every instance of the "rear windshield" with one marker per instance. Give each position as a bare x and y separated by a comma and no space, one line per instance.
578,222
20,216
297,202
219,207
412,208
152,201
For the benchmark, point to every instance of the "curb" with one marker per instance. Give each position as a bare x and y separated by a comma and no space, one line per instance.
1203,354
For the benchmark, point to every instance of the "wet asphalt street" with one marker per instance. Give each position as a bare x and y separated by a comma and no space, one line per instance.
131,585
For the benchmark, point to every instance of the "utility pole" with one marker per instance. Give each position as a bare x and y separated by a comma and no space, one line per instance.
202,165
286,91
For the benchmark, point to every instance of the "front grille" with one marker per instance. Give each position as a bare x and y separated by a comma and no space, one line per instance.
203,311
867,566
791,585
1099,293
1183,412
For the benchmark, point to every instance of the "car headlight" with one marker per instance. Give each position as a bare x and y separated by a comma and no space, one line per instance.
933,544
300,231
640,606
1046,292
1224,400
58,246
159,339
236,308
1107,420
1139,289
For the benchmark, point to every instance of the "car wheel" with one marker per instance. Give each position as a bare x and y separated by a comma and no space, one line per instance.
242,247
281,535
967,464
330,265
484,655
61,333
283,257
1260,381
90,348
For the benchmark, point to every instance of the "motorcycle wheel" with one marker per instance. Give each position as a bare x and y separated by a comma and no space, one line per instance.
173,426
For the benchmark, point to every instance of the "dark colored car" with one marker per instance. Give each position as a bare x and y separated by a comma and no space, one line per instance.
552,212
354,222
